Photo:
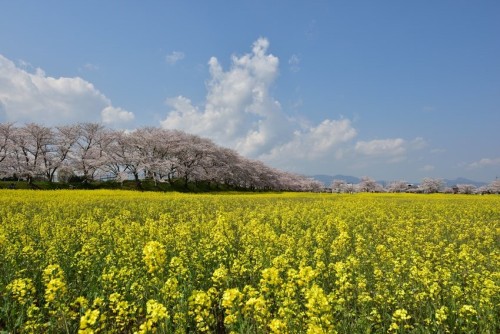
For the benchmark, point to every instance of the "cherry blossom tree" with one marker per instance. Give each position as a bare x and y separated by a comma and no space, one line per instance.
5,146
123,156
338,186
190,155
466,188
430,185
164,153
494,187
89,150
55,158
368,184
30,144
398,187
90,153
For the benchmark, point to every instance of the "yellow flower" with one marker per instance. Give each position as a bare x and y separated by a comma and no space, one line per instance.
219,276
22,290
231,303
154,255
399,317
54,292
52,271
441,314
229,298
277,326
467,310
200,307
87,321
270,279
156,313
319,311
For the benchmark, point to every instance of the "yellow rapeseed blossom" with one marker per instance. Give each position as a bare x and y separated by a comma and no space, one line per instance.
400,318
22,290
154,255
200,308
55,290
87,321
441,315
123,262
277,326
156,313
231,302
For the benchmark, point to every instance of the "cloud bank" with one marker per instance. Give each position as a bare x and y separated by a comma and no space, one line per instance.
485,162
240,112
36,97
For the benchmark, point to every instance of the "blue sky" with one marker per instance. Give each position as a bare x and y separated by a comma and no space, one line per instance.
387,89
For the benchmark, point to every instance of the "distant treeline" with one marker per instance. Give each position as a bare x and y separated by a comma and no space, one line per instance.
427,186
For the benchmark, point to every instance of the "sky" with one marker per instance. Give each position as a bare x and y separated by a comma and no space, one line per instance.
393,90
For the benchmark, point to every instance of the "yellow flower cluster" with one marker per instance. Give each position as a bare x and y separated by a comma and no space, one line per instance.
400,316
154,256
156,312
128,262
55,289
22,290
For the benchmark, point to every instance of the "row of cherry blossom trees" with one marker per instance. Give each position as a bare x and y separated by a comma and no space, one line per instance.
92,151
427,186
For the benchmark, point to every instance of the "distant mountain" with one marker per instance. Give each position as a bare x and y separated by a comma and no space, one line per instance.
461,180
328,179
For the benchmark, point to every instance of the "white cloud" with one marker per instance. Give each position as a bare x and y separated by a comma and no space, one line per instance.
382,147
418,143
174,57
485,162
240,112
294,63
36,97
314,142
385,151
112,115
90,67
24,64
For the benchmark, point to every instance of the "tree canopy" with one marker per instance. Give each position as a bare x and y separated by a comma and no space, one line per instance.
91,151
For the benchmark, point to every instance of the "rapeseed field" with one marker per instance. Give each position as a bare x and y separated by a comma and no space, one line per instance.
128,262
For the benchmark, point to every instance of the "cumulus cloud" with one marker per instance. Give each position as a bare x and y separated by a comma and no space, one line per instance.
382,147
174,57
325,140
317,140
240,112
112,115
485,162
36,97
395,148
